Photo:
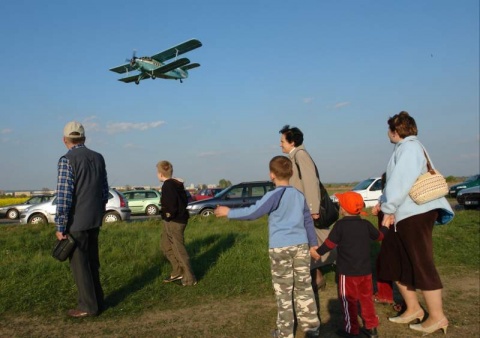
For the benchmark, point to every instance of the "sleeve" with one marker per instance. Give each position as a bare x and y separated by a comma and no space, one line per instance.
105,187
65,186
373,232
383,230
262,207
308,221
332,240
311,186
409,162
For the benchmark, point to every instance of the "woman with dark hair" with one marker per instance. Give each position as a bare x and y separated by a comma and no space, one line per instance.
408,259
305,179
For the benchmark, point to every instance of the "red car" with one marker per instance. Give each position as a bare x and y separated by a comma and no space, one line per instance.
206,193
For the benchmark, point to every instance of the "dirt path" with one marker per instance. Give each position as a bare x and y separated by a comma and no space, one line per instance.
243,318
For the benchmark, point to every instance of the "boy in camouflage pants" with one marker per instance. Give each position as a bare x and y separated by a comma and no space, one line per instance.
292,240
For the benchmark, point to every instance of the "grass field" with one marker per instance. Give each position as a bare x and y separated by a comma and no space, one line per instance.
229,258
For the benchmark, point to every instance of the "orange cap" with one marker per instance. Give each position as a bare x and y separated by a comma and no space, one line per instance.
351,202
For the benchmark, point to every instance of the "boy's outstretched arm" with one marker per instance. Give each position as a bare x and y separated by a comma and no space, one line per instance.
221,211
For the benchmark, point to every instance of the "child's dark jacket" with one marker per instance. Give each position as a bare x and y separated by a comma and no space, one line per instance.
174,202
352,236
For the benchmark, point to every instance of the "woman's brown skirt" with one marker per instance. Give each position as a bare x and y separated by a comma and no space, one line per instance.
406,256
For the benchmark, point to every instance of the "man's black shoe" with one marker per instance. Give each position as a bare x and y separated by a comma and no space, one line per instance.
372,333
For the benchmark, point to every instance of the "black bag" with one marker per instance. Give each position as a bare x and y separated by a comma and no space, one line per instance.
328,210
63,248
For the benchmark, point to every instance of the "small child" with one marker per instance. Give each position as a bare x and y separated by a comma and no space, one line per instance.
351,236
175,218
292,240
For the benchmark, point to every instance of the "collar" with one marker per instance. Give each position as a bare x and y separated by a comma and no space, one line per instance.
82,145
351,218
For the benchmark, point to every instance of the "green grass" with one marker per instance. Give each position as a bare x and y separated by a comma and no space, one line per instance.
32,282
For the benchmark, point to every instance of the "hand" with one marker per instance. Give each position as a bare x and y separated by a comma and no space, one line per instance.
60,235
315,216
388,220
376,209
314,253
221,211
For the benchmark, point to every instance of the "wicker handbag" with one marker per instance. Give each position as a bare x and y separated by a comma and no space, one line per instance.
429,186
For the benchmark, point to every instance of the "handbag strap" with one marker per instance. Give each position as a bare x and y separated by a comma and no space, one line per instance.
429,166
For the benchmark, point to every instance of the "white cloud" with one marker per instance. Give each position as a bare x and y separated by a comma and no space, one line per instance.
210,153
90,124
120,127
6,131
307,99
341,104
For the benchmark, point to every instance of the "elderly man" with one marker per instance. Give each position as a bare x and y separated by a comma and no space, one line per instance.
82,193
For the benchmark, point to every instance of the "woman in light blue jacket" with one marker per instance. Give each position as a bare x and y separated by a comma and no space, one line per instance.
406,256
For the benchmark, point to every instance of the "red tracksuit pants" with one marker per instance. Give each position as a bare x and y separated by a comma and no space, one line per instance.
354,290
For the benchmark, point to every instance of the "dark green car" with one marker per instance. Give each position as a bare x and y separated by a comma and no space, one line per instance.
472,181
143,202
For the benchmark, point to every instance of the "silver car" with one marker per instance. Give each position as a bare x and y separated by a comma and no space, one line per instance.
116,210
14,210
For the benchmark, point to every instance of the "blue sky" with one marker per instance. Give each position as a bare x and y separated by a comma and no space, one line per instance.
335,69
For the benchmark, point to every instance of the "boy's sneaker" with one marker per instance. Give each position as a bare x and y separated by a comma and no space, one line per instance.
189,284
372,333
172,278
313,333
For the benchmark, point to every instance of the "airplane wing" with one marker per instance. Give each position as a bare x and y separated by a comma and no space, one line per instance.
133,78
171,66
166,77
177,50
190,66
122,69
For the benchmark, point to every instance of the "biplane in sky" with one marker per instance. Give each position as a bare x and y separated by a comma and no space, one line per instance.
151,67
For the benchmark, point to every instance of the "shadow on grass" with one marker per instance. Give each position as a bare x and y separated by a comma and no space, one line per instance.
134,285
203,260
212,247
335,323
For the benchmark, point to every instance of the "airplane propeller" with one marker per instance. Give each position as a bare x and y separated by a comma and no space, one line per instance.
133,59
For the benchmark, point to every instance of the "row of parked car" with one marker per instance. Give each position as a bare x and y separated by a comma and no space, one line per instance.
120,206
467,193
247,193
